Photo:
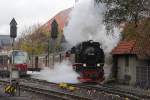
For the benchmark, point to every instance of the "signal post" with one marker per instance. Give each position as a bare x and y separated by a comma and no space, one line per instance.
54,34
13,35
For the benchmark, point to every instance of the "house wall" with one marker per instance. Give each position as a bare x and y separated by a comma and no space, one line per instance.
142,62
121,68
127,74
130,70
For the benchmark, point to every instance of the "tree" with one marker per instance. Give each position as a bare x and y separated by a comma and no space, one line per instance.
120,11
33,40
141,32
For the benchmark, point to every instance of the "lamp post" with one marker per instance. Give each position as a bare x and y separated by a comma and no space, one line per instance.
13,35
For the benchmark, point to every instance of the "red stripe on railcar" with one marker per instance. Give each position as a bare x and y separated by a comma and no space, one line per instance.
22,67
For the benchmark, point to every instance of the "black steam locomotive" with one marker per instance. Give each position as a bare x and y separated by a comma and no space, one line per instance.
89,61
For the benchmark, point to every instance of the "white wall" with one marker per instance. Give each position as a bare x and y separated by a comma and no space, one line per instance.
130,70
121,68
133,63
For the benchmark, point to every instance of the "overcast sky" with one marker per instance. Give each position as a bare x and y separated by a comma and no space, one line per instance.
29,12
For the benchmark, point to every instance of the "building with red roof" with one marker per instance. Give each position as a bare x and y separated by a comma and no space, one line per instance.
131,57
124,47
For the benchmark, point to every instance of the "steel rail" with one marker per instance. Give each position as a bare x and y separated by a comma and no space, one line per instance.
99,88
117,91
57,94
105,88
49,92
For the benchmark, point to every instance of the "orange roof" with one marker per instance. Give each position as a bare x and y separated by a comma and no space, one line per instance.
124,47
61,18
139,47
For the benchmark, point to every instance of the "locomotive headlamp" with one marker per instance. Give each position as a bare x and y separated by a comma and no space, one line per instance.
84,65
98,65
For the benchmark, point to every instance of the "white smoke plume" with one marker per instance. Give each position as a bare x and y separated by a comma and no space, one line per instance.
62,72
86,22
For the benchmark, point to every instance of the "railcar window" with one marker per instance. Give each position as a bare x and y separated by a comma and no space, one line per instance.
19,53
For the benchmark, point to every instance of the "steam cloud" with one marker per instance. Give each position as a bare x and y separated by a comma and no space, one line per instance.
62,72
86,22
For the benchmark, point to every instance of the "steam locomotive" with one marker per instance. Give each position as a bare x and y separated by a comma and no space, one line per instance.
89,61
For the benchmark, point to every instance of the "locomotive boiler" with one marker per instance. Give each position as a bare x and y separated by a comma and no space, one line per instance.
88,61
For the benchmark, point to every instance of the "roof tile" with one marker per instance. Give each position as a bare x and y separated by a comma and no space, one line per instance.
124,47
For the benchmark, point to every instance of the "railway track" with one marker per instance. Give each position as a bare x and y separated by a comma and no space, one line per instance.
123,92
45,90
33,85
119,92
53,93
101,88
105,88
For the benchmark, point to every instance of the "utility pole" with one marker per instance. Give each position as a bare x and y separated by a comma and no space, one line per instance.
13,35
